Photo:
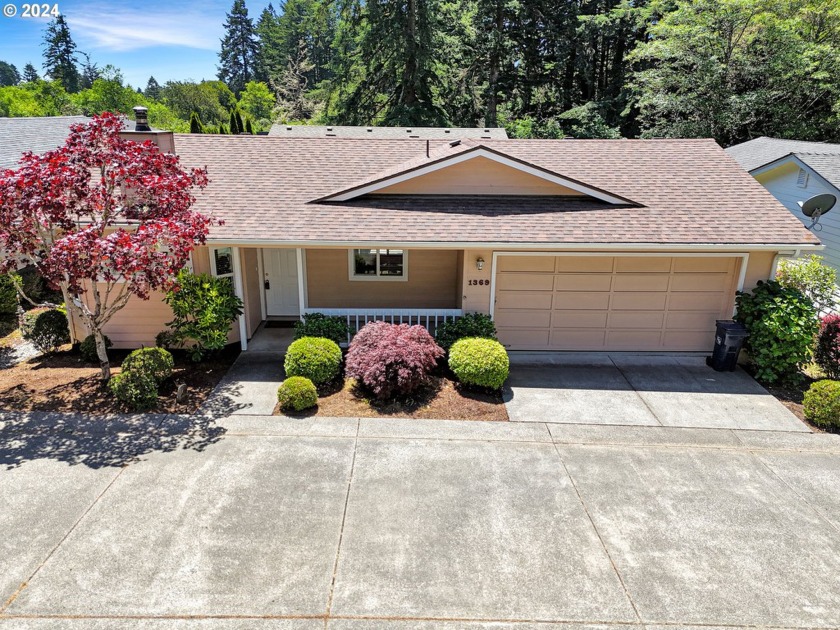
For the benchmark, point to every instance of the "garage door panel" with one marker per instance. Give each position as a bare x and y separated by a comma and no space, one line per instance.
578,339
637,319
582,264
571,300
632,303
640,282
652,264
692,265
531,300
521,318
633,339
642,301
689,320
698,301
526,263
524,338
698,281
579,319
524,282
582,282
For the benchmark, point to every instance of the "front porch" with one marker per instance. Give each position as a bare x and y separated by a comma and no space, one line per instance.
278,286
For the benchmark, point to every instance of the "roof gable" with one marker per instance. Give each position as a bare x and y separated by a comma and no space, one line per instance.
464,167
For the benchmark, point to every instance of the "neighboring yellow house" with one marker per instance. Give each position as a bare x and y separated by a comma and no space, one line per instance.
569,244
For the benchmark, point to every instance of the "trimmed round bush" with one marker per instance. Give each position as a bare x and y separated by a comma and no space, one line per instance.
315,358
480,362
392,359
156,362
137,390
470,325
821,404
297,393
46,328
320,325
88,348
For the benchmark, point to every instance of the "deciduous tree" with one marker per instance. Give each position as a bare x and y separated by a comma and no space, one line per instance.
102,218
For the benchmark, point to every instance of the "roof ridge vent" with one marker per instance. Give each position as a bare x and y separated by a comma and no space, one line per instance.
454,143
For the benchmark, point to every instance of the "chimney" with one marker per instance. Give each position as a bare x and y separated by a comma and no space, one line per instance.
165,140
141,119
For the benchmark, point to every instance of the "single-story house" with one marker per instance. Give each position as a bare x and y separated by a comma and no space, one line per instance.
390,133
794,171
635,245
37,134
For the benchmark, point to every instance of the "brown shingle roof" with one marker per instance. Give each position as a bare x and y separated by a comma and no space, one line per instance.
690,192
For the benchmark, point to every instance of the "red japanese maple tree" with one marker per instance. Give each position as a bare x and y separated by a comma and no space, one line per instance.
102,218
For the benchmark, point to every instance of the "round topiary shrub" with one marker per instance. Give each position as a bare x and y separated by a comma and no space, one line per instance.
137,390
46,328
88,349
315,358
392,359
297,393
155,362
479,362
470,325
821,404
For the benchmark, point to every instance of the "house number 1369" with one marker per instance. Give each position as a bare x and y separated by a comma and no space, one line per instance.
478,283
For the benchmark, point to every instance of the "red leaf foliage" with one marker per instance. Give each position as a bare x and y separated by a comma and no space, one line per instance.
392,359
104,208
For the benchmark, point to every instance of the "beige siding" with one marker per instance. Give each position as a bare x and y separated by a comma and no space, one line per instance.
432,282
759,267
253,287
478,176
201,260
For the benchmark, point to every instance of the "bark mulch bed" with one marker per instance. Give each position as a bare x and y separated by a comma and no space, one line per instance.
63,382
443,399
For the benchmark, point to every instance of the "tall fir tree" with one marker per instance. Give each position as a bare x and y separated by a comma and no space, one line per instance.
152,90
60,55
238,54
9,75
30,74
90,73
195,124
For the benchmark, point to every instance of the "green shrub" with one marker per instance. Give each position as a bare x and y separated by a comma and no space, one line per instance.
821,404
8,296
297,393
781,322
315,358
88,348
165,339
137,390
204,307
479,362
46,328
815,280
470,325
320,325
156,362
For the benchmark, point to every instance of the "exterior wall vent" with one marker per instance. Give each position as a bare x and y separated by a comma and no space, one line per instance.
802,179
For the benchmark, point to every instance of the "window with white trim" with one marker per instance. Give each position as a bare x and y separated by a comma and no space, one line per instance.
378,264
221,262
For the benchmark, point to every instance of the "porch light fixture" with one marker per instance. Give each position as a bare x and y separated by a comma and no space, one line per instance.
479,263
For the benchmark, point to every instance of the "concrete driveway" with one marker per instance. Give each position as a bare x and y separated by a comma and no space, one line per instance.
253,522
644,389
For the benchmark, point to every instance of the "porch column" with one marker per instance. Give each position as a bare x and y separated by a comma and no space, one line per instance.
240,293
301,279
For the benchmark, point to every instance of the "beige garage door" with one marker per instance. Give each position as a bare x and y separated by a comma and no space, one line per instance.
612,302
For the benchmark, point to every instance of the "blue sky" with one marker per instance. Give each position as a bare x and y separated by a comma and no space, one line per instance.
166,39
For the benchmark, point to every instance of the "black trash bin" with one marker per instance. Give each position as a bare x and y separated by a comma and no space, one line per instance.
729,338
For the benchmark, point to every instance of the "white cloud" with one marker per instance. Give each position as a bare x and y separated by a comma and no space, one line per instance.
122,29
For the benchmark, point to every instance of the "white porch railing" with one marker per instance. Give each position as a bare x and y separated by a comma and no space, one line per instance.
429,318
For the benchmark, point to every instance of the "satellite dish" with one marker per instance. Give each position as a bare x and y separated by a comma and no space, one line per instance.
817,206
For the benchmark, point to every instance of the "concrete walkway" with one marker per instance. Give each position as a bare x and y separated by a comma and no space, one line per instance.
352,524
645,390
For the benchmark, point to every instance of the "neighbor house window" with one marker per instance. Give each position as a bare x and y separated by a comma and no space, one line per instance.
221,262
378,264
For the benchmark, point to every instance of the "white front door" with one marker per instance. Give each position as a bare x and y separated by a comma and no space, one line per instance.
281,282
